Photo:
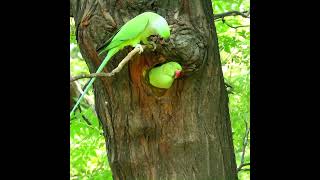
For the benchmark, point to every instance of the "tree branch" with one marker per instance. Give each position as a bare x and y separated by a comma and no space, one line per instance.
116,70
244,169
240,168
221,16
245,143
244,14
84,117
235,27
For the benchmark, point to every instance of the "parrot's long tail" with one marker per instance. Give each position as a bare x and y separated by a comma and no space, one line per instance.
103,64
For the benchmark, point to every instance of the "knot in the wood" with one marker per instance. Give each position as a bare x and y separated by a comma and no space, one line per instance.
186,45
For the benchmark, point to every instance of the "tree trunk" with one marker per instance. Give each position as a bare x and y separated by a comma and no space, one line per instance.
152,134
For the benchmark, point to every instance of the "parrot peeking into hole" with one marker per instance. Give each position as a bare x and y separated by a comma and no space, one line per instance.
131,34
164,75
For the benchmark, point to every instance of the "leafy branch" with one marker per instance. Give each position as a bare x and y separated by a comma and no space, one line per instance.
244,145
116,70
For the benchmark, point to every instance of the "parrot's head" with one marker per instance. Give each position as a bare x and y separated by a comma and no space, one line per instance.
173,69
165,32
162,28
163,76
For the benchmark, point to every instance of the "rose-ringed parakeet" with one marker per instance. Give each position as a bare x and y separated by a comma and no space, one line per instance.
164,75
131,34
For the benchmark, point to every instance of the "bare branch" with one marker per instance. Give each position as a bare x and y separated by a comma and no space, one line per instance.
116,70
82,76
244,169
242,165
221,16
245,142
84,117
235,27
244,14
244,145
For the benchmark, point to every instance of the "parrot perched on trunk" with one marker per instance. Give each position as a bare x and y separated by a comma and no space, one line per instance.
131,33
164,75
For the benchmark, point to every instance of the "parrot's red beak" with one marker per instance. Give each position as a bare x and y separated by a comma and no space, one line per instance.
178,74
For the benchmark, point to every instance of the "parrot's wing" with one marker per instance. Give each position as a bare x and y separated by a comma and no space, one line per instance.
129,31
103,46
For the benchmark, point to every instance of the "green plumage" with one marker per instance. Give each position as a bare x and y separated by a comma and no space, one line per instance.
139,29
132,33
164,75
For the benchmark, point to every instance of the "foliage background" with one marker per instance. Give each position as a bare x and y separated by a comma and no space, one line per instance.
88,158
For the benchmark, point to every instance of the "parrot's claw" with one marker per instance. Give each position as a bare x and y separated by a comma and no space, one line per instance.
140,48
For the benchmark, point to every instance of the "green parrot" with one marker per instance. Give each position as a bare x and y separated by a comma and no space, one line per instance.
164,75
131,34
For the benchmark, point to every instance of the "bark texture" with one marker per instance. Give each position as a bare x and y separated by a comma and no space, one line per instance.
183,133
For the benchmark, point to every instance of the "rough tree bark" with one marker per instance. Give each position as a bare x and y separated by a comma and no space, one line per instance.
152,134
